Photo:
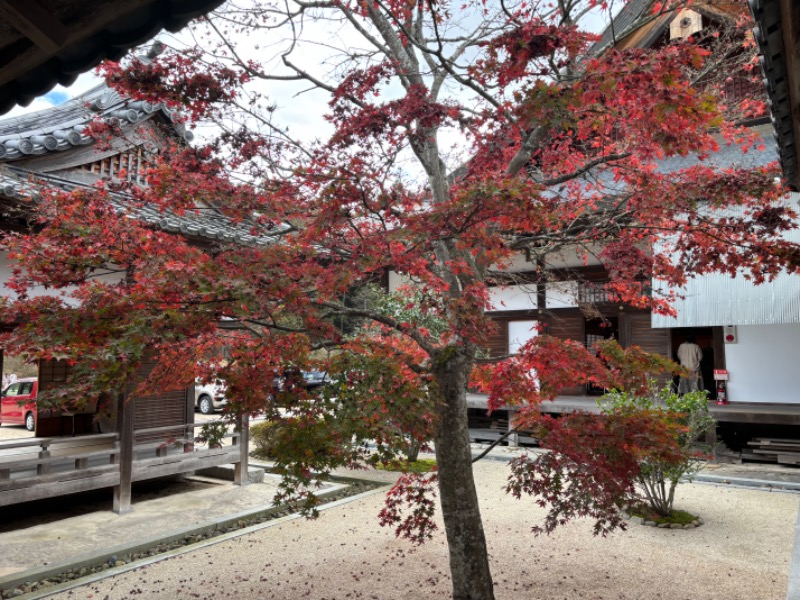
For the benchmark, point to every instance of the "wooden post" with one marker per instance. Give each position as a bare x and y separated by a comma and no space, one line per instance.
188,434
513,439
241,467
44,469
114,457
122,492
711,441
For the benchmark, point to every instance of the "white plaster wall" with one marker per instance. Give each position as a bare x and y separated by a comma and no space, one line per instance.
6,266
519,332
510,297
763,364
562,295
572,258
5,272
563,259
513,297
396,280
516,264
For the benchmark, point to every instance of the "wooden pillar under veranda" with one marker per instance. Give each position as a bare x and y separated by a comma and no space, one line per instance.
125,431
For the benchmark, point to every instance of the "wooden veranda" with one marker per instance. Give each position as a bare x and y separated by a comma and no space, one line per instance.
89,446
748,425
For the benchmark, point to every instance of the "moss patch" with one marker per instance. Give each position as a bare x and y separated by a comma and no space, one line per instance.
422,465
677,517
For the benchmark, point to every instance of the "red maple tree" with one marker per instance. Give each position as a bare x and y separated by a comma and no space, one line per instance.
557,147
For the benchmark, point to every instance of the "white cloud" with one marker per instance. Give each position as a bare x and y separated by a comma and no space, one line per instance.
83,83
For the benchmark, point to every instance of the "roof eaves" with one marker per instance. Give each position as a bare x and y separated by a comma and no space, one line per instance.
130,29
621,26
768,33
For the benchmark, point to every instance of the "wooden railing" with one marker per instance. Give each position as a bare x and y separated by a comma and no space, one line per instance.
36,468
179,454
596,292
183,437
39,468
46,454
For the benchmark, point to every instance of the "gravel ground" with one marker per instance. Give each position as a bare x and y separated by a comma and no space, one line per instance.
741,553
14,432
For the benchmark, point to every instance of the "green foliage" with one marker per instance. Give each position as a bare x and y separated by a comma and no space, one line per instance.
212,433
415,308
262,436
366,297
633,369
689,417
387,398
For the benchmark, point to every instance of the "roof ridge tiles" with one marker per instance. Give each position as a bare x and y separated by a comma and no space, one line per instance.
76,114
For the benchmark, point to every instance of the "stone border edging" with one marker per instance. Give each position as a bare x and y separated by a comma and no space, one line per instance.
764,485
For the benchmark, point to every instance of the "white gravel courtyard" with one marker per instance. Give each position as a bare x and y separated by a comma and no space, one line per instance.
741,553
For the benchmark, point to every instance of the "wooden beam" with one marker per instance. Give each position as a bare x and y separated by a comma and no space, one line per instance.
58,488
36,23
32,481
84,25
634,39
175,464
790,25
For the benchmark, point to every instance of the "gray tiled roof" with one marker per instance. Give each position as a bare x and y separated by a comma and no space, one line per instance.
63,127
768,33
620,25
728,156
208,223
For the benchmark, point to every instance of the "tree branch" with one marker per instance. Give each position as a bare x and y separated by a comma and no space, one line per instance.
495,443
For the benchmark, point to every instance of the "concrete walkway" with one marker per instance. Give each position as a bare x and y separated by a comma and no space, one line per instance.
65,530
742,552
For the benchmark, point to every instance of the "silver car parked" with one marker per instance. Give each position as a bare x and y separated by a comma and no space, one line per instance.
209,397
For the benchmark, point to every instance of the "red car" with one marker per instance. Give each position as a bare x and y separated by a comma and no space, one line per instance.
18,403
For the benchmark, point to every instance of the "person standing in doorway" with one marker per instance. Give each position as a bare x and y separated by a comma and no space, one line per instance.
689,357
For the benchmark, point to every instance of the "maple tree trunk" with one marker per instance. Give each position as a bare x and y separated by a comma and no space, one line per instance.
469,561
412,450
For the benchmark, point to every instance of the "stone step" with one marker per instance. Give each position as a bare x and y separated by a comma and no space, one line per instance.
254,474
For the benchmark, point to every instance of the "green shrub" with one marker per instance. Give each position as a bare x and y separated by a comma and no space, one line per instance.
212,433
263,437
659,476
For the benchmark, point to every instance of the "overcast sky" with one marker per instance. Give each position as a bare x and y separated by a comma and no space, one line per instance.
298,109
